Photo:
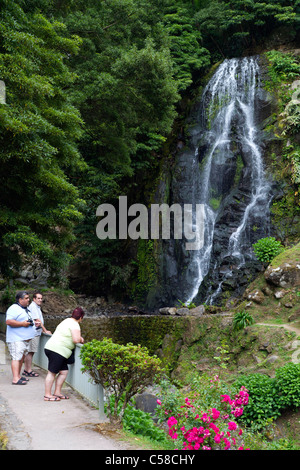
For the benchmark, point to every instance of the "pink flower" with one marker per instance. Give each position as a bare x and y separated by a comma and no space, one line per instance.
215,413
232,426
214,427
205,418
237,412
172,421
226,399
227,443
158,402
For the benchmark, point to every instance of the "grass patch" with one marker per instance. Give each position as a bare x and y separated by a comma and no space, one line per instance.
291,255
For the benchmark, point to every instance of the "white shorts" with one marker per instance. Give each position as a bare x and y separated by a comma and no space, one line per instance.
18,349
34,344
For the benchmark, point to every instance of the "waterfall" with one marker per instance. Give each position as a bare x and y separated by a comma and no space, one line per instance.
221,168
228,121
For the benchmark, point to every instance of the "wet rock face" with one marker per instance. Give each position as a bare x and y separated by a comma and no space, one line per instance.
223,167
286,275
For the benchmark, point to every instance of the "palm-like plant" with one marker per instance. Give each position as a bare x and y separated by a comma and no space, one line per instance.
242,319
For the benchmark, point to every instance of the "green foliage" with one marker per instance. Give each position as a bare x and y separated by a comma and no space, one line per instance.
122,370
171,396
147,270
141,423
8,296
229,27
263,401
188,305
185,44
126,94
38,132
222,359
267,248
284,67
125,87
242,319
269,397
288,385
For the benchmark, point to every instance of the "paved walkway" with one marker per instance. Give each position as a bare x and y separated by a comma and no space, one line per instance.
31,423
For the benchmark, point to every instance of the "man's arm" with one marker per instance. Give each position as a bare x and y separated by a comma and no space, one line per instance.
16,323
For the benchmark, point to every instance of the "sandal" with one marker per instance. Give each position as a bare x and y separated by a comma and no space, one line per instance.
51,398
62,397
30,374
20,382
24,379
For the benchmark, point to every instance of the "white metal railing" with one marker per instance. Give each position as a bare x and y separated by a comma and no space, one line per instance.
79,381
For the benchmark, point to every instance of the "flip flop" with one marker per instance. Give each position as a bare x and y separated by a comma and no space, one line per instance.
51,398
20,382
62,397
30,374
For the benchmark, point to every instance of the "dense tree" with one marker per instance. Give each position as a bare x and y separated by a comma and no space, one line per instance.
186,48
39,127
231,26
126,94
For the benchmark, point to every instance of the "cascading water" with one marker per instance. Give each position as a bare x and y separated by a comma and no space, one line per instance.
223,170
234,90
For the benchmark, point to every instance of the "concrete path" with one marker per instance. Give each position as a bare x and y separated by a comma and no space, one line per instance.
30,423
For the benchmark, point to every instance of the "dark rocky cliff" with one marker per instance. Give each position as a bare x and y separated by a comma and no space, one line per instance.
232,184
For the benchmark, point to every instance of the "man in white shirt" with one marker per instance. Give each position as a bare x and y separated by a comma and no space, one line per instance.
20,329
36,313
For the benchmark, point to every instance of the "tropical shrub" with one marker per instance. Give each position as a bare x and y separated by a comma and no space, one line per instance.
242,319
267,248
123,371
263,400
287,380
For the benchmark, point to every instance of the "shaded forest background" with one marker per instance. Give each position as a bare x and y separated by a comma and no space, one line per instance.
96,95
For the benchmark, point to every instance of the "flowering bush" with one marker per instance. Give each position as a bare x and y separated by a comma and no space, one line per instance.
215,429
